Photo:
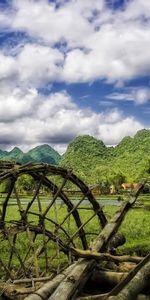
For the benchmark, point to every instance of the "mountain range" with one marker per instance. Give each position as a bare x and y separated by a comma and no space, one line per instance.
92,160
43,153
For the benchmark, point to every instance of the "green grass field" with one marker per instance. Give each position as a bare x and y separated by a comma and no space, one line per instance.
135,228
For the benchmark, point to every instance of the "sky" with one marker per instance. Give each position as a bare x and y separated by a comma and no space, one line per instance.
73,67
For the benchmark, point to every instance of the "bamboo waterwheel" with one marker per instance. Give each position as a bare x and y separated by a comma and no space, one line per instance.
39,225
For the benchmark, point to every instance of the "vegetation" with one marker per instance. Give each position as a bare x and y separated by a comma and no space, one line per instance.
137,240
136,230
43,153
94,162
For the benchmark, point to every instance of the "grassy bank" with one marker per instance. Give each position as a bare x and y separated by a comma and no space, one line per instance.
135,227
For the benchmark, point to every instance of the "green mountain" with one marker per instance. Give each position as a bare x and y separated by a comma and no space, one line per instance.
83,154
132,155
93,161
3,154
15,154
43,153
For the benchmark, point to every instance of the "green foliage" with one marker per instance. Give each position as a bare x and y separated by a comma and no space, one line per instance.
4,186
128,161
92,161
83,155
25,183
118,179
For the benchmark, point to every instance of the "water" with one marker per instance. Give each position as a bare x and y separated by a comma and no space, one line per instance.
74,201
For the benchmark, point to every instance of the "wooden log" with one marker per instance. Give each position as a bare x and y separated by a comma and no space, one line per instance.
89,254
125,267
70,286
47,289
14,290
93,297
109,277
117,240
134,283
104,297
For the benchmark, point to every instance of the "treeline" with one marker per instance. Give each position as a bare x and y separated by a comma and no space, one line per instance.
92,161
95,163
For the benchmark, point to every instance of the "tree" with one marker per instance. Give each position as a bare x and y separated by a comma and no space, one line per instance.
25,183
118,179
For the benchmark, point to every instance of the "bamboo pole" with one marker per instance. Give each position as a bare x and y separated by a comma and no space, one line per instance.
104,297
47,289
70,286
109,277
134,283
89,254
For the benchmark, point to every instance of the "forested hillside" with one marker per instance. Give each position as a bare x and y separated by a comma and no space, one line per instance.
43,153
93,161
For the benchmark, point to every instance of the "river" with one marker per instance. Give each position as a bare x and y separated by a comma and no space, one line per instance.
60,202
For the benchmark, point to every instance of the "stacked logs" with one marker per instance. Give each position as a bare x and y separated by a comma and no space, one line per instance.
90,268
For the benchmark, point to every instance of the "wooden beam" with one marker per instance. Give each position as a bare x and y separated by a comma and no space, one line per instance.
104,297
110,277
89,254
134,283
47,289
72,284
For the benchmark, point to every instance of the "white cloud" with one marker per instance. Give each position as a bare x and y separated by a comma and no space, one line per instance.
52,25
99,43
140,95
136,9
116,53
33,65
95,43
38,64
113,133
120,96
54,104
7,66
34,119
16,104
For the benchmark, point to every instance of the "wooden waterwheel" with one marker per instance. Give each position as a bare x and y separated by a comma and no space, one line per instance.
38,227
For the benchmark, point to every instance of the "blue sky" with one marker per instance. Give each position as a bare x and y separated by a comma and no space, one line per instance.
73,67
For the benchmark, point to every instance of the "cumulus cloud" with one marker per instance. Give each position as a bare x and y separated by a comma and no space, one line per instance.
113,133
70,41
33,65
142,95
56,120
38,64
7,66
69,21
99,42
17,104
